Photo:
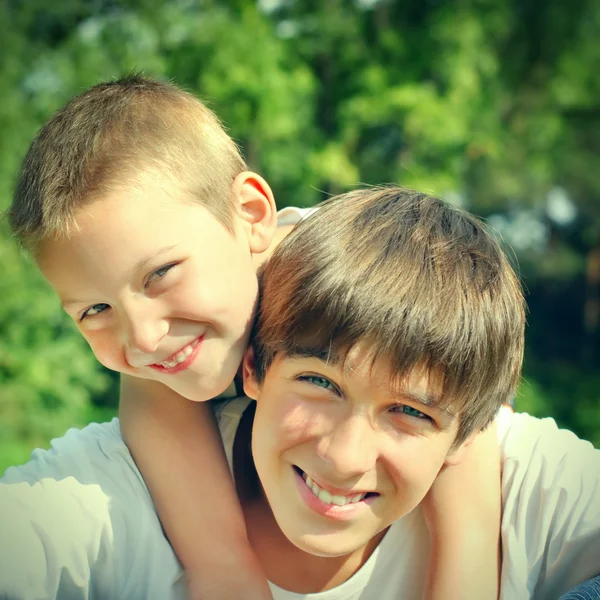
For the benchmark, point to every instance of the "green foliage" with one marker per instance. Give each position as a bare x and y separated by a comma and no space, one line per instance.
567,394
493,103
47,374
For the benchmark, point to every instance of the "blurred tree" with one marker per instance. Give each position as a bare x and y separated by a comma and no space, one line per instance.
489,103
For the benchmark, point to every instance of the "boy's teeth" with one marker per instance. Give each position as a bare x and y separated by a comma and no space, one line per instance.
328,498
178,358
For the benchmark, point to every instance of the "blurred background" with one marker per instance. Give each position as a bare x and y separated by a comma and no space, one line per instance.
491,104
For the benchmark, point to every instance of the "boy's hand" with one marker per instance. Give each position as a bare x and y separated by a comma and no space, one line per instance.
463,511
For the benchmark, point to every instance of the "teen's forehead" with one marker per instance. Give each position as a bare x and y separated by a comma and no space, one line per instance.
418,380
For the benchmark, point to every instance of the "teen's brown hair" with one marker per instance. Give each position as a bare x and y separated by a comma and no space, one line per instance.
423,283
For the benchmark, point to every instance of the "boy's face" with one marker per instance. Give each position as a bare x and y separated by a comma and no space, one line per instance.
341,455
158,287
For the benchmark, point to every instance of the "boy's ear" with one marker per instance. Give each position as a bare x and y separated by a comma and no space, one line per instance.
257,208
458,454
251,387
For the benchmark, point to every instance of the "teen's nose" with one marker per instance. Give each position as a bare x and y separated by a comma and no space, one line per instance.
143,329
350,448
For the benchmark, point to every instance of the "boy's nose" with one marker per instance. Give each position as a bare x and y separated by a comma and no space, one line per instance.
144,331
350,448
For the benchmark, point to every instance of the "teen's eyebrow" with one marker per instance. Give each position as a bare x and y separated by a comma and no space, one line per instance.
425,400
322,354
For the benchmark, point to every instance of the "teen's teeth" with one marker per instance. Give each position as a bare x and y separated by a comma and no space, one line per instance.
328,498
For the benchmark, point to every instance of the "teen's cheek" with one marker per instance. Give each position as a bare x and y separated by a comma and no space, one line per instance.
414,468
301,421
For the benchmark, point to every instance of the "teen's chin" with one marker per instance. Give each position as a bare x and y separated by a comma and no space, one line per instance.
319,536
326,545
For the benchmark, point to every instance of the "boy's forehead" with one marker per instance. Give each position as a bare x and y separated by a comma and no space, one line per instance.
117,234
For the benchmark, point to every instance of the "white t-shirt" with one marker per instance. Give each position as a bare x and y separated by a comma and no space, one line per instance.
77,521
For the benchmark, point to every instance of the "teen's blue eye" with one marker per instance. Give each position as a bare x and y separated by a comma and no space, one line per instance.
319,381
410,411
93,310
161,272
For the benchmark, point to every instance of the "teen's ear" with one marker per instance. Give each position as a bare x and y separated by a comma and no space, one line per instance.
257,209
251,387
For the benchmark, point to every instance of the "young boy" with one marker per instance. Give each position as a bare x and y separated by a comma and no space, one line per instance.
138,209
140,213
374,360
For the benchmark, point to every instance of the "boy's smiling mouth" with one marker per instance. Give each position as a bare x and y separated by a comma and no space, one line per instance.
181,359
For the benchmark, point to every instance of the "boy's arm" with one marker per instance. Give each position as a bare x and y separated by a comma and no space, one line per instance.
463,511
177,447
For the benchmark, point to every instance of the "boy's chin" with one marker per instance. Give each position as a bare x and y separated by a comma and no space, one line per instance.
200,390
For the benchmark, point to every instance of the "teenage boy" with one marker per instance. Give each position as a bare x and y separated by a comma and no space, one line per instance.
139,211
374,361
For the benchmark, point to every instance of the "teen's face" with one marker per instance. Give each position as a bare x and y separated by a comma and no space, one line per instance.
340,454
158,287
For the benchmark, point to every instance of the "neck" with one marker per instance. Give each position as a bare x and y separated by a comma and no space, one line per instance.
284,564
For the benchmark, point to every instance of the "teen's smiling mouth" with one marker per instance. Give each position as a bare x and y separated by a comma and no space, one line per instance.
326,502
181,359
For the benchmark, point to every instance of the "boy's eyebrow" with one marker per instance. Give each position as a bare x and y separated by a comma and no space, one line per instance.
137,267
68,302
142,263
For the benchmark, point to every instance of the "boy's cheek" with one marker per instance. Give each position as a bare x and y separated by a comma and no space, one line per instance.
107,353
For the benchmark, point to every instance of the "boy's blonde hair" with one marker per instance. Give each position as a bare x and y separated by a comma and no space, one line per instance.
123,134
422,283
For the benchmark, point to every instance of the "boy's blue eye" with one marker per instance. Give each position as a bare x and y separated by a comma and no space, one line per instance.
161,272
93,310
410,411
319,381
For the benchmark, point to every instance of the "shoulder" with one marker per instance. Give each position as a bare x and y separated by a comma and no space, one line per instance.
538,454
77,516
551,507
